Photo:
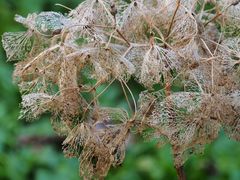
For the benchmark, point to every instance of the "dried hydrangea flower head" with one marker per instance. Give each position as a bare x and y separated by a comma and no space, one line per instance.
65,63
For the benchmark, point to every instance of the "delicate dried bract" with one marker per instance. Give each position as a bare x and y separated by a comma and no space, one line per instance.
134,21
184,29
189,120
179,46
101,145
49,23
157,62
35,104
110,63
231,11
17,45
46,23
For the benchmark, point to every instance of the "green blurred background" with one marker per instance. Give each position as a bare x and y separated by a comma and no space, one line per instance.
42,162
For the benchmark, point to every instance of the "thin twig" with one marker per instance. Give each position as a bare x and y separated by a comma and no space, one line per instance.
134,101
42,54
150,106
98,83
173,17
221,13
85,111
125,94
211,20
61,5
212,63
122,36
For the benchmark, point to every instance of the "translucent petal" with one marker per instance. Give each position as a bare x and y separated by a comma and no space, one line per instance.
17,45
35,104
47,23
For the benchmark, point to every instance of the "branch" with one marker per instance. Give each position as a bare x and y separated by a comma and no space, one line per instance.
173,17
40,140
123,37
180,173
215,17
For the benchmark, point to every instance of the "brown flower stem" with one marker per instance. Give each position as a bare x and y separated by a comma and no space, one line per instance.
180,173
122,36
168,88
173,17
89,105
40,140
125,94
211,20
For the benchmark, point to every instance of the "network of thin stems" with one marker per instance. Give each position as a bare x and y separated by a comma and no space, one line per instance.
185,53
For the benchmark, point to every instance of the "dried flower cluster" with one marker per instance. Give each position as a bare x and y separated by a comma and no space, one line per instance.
193,43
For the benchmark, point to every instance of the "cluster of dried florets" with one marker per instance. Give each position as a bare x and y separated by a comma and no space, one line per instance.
192,43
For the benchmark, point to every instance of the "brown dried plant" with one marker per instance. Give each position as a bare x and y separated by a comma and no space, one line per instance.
165,42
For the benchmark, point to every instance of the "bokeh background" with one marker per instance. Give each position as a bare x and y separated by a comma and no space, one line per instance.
45,161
